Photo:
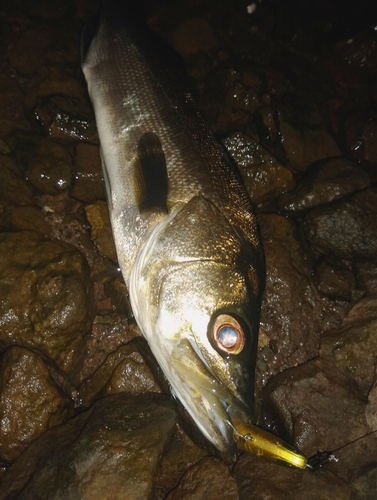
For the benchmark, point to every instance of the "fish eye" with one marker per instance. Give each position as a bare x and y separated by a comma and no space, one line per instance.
228,334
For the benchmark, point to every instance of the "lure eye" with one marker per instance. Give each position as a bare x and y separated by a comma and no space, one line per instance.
228,334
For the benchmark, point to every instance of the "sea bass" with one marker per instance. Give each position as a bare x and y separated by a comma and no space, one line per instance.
185,233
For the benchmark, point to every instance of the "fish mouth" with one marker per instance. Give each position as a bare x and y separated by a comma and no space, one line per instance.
209,402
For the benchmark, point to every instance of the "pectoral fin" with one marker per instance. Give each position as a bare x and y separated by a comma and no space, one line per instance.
152,175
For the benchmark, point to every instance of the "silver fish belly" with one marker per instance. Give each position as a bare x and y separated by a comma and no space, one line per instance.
186,237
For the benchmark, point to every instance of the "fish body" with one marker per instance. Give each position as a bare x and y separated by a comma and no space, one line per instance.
186,237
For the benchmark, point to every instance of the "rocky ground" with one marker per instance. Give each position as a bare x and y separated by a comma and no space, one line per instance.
291,90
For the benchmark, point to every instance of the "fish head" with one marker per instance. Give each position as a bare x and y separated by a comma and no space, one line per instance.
212,346
196,296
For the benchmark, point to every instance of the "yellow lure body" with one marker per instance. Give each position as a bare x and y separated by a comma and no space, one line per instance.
259,442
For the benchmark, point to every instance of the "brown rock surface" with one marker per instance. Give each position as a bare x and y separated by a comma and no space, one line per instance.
97,214
334,279
110,452
30,401
371,409
306,146
367,275
294,338
12,116
27,218
46,298
264,177
353,347
311,399
89,184
193,35
66,118
14,189
180,454
209,479
45,163
364,488
123,371
259,479
347,228
326,181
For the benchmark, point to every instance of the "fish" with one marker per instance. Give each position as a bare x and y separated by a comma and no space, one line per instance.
186,235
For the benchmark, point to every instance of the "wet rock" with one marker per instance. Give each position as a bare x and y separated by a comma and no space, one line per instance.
352,347
364,488
306,144
29,218
14,189
4,148
84,8
117,292
123,371
267,128
109,332
326,181
34,45
361,137
231,98
48,9
208,479
293,313
180,454
354,459
365,309
242,99
71,228
193,35
110,291
46,299
46,164
51,79
64,117
265,178
89,184
12,112
366,273
347,228
334,279
104,274
262,480
114,448
358,52
30,401
322,409
371,409
98,216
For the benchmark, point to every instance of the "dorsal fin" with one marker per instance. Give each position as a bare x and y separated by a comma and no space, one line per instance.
153,176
